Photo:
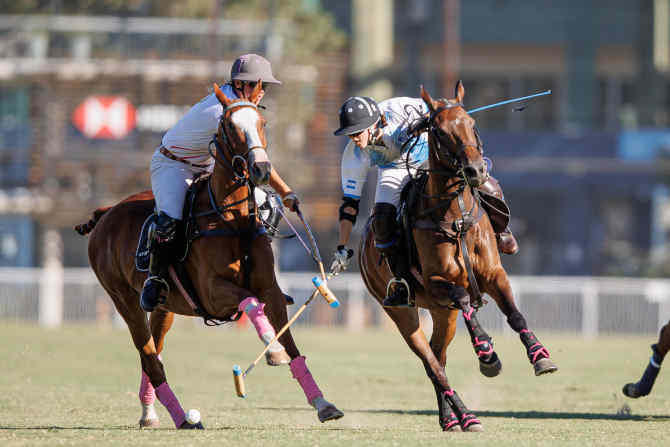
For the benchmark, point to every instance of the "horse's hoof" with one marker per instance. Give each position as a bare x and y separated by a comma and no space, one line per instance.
469,422
544,366
277,358
149,423
491,368
630,390
453,429
474,427
329,413
186,426
451,424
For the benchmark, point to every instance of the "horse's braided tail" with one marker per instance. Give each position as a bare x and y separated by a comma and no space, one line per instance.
87,227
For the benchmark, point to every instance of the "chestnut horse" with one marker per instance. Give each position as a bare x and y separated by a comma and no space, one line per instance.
224,214
453,236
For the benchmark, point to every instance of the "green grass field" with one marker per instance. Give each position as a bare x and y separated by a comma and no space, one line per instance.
78,386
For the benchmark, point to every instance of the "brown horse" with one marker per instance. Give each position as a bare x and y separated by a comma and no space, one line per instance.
453,236
231,251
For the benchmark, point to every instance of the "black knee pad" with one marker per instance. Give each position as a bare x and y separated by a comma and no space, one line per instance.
385,226
166,228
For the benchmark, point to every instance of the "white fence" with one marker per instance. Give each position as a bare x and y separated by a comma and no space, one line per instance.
582,305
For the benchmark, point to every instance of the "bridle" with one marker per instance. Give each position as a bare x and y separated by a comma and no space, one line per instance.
445,157
457,228
237,162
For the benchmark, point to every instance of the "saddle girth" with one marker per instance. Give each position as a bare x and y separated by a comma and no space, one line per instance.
456,230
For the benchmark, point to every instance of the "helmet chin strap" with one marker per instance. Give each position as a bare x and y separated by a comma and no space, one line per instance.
376,136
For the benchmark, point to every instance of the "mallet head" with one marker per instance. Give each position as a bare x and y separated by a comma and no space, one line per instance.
238,378
327,294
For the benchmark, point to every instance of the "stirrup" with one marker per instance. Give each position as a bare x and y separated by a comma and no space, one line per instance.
408,303
163,282
158,279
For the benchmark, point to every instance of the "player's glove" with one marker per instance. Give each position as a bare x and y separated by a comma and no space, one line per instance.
341,259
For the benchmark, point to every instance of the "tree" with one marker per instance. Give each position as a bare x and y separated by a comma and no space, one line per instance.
310,29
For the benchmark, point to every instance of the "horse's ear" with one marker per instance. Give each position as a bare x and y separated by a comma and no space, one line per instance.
256,91
430,102
460,91
220,96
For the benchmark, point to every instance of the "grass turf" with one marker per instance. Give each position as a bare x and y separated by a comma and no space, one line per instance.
78,385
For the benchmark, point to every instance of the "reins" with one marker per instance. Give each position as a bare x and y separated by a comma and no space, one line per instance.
458,228
240,179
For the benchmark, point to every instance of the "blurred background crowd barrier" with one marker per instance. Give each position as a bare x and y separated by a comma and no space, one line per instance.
587,306
87,89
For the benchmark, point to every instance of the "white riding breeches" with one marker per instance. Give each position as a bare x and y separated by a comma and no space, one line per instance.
170,180
390,182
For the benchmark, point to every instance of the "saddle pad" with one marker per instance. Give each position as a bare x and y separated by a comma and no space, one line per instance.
142,253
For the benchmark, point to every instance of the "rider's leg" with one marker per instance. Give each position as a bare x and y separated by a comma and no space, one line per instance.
386,240
390,182
506,241
170,180
156,288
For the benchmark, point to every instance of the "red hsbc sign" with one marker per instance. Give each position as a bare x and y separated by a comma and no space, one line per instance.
110,117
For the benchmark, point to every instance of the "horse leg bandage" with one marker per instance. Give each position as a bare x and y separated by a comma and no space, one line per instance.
147,398
147,392
170,401
256,315
646,383
305,379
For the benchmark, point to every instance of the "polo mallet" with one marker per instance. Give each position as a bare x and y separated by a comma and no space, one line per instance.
321,284
508,101
238,375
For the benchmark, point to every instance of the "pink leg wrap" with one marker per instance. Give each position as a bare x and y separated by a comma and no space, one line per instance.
468,315
254,311
305,379
147,394
169,400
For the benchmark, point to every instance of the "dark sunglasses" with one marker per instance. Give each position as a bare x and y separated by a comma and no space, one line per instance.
252,84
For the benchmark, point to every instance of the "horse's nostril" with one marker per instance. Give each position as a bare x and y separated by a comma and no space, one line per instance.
261,172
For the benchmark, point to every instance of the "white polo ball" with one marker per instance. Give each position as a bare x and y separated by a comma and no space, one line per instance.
193,416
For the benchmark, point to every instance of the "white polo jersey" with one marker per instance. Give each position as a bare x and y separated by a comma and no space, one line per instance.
400,113
189,138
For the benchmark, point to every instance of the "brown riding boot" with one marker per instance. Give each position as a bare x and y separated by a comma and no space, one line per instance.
507,242
499,214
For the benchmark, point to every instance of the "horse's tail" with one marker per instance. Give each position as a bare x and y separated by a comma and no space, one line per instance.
87,227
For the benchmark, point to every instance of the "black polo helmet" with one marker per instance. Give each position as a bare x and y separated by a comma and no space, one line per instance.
251,68
357,114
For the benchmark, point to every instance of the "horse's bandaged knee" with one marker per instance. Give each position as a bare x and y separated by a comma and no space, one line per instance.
305,379
256,315
147,394
171,403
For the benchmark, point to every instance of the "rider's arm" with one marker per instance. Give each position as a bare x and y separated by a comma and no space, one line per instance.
355,165
289,198
278,184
